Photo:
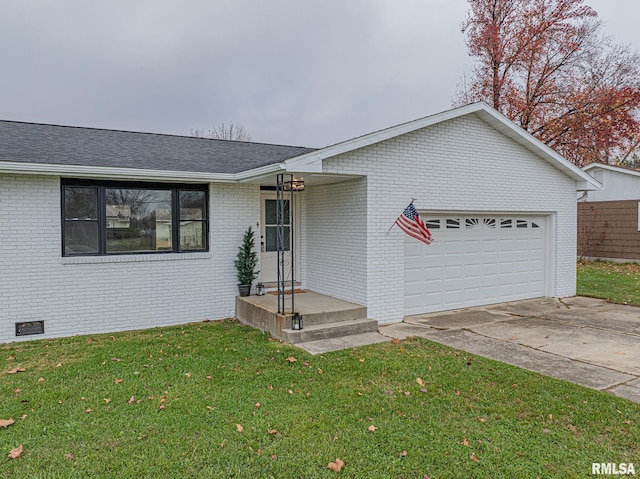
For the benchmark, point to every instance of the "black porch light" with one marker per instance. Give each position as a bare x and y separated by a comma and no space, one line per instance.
294,185
296,321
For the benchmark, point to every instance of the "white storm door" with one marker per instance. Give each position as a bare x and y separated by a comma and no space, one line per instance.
268,238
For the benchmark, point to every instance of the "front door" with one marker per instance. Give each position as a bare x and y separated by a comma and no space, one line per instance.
268,241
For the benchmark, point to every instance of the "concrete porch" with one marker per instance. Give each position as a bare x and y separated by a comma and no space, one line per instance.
324,317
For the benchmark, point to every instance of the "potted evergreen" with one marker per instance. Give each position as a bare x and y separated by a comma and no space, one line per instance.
246,262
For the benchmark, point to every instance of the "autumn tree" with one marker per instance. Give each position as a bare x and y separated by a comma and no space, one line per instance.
232,131
546,66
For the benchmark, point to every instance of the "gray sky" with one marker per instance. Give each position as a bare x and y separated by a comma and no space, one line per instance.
297,72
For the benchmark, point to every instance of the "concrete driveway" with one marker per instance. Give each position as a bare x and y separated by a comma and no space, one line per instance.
583,340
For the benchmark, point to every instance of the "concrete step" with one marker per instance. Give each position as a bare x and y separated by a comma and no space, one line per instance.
334,316
316,332
346,342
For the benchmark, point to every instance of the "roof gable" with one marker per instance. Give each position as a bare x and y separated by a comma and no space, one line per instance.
312,161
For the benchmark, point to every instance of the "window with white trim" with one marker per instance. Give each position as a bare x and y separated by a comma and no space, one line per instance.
104,218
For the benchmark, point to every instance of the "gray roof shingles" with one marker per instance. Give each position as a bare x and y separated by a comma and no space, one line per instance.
67,145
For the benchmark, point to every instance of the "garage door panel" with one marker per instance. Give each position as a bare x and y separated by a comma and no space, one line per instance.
487,260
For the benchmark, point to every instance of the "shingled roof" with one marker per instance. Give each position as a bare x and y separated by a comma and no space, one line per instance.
66,145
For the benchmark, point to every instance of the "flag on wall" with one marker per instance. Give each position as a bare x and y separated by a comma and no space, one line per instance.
411,223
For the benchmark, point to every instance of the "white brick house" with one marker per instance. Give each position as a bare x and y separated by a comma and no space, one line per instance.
501,207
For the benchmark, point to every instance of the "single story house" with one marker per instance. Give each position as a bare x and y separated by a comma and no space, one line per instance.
609,219
105,230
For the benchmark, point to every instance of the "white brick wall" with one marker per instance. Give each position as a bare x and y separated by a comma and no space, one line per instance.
458,165
336,239
92,295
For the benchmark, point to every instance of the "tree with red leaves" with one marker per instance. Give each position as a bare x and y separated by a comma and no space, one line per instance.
546,66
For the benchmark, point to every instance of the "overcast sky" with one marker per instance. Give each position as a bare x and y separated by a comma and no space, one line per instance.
296,72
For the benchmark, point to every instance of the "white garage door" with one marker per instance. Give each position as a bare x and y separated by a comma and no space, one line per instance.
475,260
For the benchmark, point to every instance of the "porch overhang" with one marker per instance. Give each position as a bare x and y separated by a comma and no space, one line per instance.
266,176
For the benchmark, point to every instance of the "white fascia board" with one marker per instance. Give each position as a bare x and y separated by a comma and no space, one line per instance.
249,175
588,186
113,173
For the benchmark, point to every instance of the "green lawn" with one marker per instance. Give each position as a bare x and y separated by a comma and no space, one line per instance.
615,282
219,399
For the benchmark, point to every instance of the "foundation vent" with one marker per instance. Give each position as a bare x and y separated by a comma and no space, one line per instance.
29,327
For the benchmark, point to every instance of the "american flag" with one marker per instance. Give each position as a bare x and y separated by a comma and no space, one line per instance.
411,223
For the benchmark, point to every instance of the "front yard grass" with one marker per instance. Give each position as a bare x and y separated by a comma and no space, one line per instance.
615,282
220,399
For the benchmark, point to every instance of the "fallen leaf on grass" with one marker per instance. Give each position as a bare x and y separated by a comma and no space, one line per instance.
420,382
41,380
403,454
116,359
131,400
320,371
474,458
88,410
188,375
239,427
465,442
372,428
6,422
118,381
395,341
16,370
336,466
16,452
68,455
291,359
10,358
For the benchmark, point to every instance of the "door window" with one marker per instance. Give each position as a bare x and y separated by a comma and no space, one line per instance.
271,225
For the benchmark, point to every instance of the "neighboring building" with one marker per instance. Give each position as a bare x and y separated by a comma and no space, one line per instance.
89,215
609,224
